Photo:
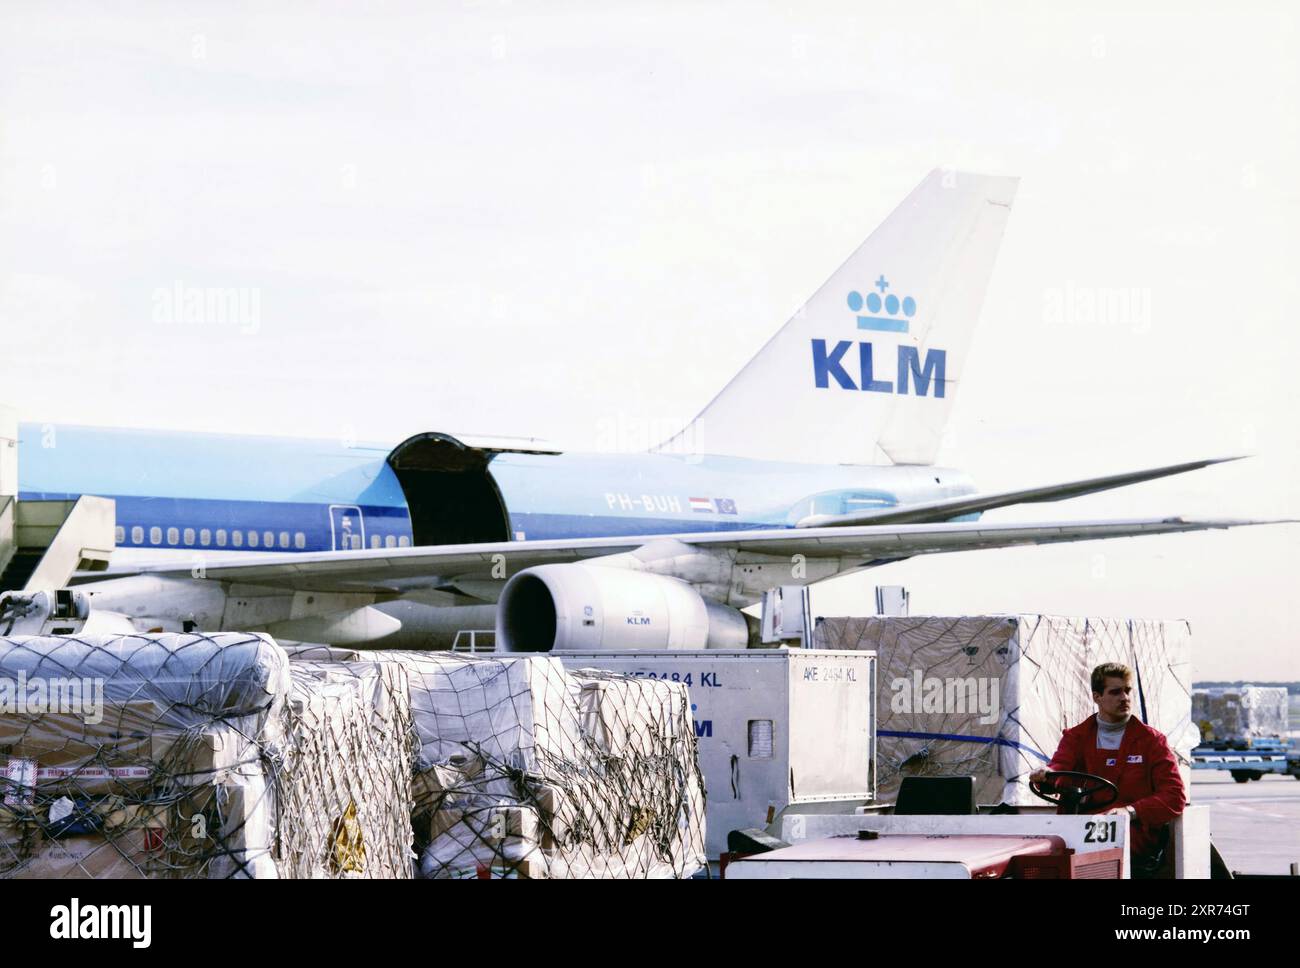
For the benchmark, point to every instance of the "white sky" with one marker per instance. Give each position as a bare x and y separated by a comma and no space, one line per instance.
554,219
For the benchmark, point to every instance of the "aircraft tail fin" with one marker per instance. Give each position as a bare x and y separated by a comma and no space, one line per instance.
866,371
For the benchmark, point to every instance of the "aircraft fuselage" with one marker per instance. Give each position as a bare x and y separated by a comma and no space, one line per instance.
224,494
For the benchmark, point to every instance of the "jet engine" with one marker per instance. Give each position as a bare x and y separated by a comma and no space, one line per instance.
582,607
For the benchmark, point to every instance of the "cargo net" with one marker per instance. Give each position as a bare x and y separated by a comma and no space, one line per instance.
950,739
345,776
207,756
525,770
989,696
199,756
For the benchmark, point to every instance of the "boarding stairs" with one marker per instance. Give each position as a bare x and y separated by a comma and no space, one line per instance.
44,543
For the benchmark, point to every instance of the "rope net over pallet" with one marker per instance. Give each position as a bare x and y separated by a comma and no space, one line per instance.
198,756
224,755
526,770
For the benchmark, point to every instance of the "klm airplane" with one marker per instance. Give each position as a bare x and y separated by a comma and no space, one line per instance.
816,460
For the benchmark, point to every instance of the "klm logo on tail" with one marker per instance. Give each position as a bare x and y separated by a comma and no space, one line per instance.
927,377
891,304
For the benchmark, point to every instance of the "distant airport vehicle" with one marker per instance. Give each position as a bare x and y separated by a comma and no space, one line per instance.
1249,759
816,460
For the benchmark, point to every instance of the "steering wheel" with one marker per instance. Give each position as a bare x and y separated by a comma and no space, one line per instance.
1076,789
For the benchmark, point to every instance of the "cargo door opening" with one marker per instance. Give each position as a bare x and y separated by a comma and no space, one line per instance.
451,496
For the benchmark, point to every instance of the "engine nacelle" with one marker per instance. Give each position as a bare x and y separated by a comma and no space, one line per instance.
588,608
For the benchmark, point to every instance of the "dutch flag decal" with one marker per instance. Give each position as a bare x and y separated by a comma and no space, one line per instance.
702,504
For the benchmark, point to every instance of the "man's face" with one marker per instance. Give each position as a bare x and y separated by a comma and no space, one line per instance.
1115,701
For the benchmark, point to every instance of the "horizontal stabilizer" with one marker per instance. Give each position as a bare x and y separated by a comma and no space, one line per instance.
946,509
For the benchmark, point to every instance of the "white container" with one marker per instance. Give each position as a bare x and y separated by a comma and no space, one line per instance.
775,727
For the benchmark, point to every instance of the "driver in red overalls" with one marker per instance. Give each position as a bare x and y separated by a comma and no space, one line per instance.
1117,746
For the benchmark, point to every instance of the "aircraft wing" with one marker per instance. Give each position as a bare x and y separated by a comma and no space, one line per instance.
954,507
391,571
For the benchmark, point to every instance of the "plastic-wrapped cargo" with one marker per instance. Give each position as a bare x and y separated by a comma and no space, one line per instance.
644,738
345,782
1241,712
191,756
509,710
991,695
139,756
525,770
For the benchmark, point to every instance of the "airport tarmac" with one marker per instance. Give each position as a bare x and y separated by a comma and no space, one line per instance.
1255,825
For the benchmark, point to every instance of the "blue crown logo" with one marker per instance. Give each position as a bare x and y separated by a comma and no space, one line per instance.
891,304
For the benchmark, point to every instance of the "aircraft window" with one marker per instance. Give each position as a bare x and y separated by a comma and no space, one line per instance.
189,536
284,539
268,539
237,538
374,541
390,541
119,535
299,540
252,539
205,537
137,535
403,541
173,536
357,542
155,535
221,537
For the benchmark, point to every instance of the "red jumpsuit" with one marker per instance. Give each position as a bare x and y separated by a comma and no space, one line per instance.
1143,768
